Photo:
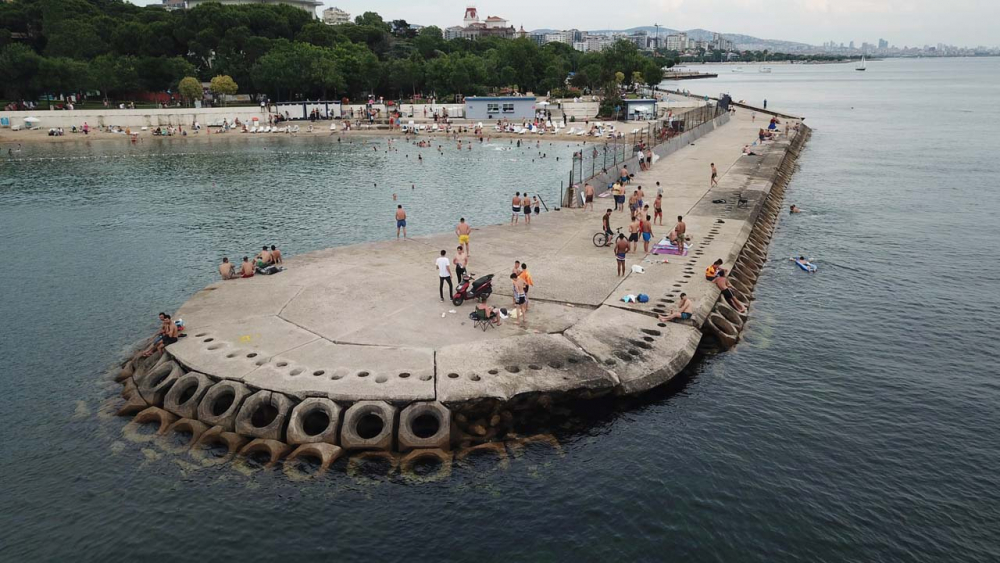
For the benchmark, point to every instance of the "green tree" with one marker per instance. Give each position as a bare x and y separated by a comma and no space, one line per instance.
222,86
190,89
18,65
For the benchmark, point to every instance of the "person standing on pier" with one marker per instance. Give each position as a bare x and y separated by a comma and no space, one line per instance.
681,231
524,276
515,207
276,255
633,231
400,221
621,250
520,292
444,274
647,233
526,204
588,197
715,176
462,230
461,264
658,208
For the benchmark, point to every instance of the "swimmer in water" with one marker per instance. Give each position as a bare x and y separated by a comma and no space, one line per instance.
794,209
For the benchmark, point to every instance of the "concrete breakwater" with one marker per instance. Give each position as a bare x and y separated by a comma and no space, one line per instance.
349,349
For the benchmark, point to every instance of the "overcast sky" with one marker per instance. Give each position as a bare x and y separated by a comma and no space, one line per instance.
901,22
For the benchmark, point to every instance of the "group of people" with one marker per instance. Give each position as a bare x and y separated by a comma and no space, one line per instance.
267,261
167,334
523,204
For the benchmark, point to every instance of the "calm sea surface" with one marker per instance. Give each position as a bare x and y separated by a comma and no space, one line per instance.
857,421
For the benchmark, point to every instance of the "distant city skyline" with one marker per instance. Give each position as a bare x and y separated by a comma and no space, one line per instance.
913,23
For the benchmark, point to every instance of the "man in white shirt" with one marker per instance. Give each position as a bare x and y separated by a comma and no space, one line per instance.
444,273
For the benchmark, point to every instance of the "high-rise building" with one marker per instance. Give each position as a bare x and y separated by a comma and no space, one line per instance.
335,16
883,44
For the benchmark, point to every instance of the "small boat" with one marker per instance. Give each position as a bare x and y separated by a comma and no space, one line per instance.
861,67
765,69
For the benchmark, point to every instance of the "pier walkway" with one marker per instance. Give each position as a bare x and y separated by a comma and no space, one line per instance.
364,321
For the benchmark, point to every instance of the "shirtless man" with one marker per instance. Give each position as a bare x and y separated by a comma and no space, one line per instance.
462,230
633,231
588,197
723,284
264,256
520,298
515,207
400,221
526,205
683,311
633,204
246,269
640,196
275,255
461,262
621,250
227,270
715,176
647,233
680,231
794,209
658,209
169,332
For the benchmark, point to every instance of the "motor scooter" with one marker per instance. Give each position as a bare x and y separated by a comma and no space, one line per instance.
479,289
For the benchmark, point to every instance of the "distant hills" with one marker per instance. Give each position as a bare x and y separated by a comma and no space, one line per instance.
742,42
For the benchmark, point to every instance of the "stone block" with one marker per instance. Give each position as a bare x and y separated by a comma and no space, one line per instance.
263,415
186,394
221,404
314,420
368,425
425,425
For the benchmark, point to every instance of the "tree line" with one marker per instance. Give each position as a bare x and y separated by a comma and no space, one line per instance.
61,47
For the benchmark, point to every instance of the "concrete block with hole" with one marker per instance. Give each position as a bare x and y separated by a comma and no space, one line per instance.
639,349
368,425
263,415
322,453
186,393
221,404
154,384
425,425
505,368
314,420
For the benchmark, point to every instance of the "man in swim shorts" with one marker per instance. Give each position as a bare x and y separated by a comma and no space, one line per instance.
461,262
169,334
658,208
588,197
400,221
621,250
681,230
723,284
462,230
647,233
263,258
639,195
683,311
715,176
633,232
526,205
515,207
275,254
524,276
246,269
520,298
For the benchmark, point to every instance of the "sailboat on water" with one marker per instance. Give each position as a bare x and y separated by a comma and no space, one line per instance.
861,67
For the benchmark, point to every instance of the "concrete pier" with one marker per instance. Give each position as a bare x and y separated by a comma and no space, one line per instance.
364,322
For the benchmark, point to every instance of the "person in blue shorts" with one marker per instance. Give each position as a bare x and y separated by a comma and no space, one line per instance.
400,221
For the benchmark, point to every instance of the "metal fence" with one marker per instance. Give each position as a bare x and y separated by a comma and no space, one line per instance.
603,156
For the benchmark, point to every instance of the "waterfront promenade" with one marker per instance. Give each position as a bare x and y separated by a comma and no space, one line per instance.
364,321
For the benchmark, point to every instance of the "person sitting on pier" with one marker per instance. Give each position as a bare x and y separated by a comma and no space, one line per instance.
747,151
723,284
169,333
227,270
263,259
683,311
246,269
275,255
714,271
